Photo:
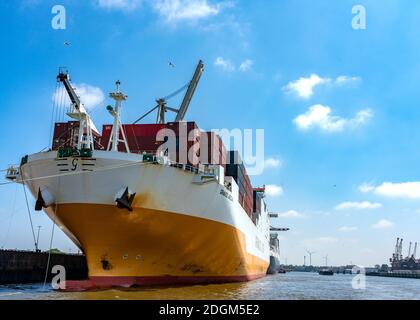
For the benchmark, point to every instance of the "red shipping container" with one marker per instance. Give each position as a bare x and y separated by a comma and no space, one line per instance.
66,135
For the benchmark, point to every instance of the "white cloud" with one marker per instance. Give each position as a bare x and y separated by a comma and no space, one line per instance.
319,116
347,229
366,187
272,163
304,87
291,214
226,65
358,205
410,190
90,96
343,80
175,10
273,190
127,5
246,65
229,66
383,224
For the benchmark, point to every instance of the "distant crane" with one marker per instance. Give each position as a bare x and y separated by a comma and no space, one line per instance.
400,250
310,256
409,251
396,249
180,113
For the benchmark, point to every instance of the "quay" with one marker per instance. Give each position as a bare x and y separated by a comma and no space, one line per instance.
21,267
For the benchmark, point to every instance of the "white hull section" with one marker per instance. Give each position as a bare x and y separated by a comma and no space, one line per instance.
99,179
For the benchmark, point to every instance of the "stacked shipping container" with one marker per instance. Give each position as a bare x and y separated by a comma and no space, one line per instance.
187,142
191,146
212,149
236,169
258,196
66,135
140,138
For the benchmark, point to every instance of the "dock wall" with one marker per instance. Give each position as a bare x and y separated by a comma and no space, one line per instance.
19,267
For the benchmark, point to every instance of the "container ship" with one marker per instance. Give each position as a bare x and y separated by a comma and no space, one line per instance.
275,266
149,204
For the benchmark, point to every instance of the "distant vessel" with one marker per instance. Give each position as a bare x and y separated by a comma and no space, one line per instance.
141,215
326,272
275,266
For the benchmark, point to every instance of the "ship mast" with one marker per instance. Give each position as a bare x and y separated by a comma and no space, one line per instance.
114,140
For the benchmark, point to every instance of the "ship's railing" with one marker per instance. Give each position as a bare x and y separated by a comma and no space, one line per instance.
161,159
157,158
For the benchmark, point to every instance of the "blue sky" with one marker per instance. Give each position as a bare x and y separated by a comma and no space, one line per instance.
339,106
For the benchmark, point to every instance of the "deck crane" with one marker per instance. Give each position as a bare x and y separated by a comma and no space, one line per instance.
190,92
64,77
79,113
162,107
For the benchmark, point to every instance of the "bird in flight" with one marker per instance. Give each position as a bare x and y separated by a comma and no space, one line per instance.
66,43
171,64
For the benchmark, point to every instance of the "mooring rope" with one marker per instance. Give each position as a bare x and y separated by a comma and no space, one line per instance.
29,214
51,242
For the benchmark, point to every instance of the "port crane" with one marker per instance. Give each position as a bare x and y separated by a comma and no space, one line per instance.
162,107
79,113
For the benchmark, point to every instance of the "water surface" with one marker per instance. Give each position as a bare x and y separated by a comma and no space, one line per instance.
290,286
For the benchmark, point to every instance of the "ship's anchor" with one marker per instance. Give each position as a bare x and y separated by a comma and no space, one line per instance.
125,200
40,203
44,200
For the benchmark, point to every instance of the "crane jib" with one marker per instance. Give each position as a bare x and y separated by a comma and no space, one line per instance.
190,91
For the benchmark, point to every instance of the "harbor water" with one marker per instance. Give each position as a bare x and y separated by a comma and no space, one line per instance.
290,286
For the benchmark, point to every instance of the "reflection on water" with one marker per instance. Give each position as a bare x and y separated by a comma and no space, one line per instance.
290,286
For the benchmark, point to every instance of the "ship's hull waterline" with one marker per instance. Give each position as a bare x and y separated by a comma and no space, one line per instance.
179,232
150,247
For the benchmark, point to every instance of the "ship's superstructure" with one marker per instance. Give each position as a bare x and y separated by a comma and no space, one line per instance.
275,265
151,204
